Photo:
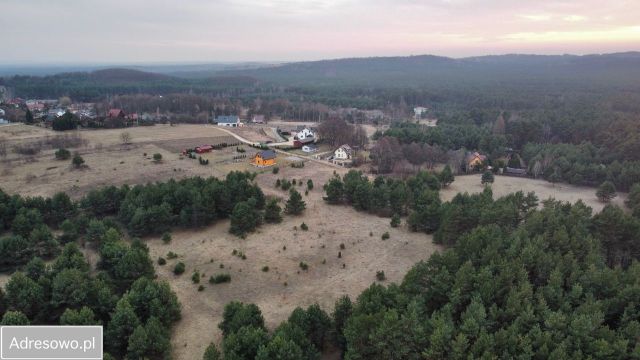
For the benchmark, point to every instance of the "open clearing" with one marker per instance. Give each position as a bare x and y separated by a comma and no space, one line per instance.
329,226
505,185
109,162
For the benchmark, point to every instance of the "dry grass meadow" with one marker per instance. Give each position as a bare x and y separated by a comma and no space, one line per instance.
280,247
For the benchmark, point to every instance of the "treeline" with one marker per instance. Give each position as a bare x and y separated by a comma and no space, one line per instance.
142,210
155,208
583,164
516,282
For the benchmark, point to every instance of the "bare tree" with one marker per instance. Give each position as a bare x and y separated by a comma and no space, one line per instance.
125,137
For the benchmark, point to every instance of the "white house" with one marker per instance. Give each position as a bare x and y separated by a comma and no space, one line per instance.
343,152
229,121
309,148
418,111
304,134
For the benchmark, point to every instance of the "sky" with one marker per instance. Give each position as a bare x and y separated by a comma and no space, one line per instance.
178,31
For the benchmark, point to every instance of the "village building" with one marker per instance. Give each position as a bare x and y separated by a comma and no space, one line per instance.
116,113
474,161
344,152
258,119
310,148
2,112
418,111
264,158
228,121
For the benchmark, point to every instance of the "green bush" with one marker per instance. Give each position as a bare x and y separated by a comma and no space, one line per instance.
161,261
265,269
195,278
304,227
220,278
380,275
166,237
179,268
385,236
63,154
304,266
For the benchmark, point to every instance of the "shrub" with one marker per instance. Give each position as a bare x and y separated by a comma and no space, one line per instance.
63,154
304,227
295,205
171,255
201,288
275,170
179,268
339,254
195,278
166,237
395,220
220,278
304,266
380,275
342,247
310,184
161,261
487,178
385,236
265,269
77,160
157,157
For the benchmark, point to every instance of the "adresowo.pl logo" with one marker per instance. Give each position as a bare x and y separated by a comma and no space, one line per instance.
51,342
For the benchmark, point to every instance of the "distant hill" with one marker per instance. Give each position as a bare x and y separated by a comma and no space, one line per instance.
618,68
125,75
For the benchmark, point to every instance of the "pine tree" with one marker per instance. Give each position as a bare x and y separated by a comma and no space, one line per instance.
272,212
446,176
487,178
606,191
295,205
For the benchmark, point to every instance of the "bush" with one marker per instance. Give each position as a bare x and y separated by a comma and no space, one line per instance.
77,160
161,261
395,220
179,268
63,154
265,269
304,227
166,237
380,275
309,184
195,278
220,278
304,266
201,288
157,157
295,205
385,236
342,247
275,170
171,255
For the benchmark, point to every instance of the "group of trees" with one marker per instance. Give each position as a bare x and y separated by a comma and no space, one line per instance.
136,311
246,215
302,337
583,164
417,196
389,155
193,202
337,131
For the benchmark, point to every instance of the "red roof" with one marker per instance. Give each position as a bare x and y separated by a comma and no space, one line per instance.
116,113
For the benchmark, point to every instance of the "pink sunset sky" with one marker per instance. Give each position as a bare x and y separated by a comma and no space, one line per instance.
37,31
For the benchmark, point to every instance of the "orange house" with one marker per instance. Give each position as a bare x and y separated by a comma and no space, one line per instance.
264,158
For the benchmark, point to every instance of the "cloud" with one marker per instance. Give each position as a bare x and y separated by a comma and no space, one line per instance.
540,17
574,18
